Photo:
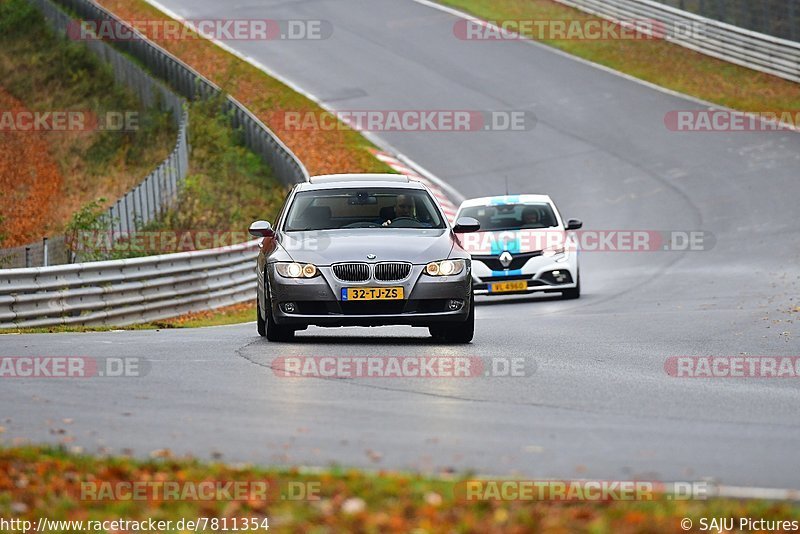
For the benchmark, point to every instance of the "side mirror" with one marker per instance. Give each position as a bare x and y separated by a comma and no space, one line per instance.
574,224
466,225
261,229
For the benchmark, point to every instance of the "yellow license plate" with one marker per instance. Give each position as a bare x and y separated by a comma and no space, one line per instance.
372,293
507,287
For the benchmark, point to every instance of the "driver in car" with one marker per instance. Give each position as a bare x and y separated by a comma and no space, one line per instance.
530,218
404,208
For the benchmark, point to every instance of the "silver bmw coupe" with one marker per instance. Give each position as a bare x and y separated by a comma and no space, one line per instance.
364,250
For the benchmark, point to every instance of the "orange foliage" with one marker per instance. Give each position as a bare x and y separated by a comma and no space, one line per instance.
30,182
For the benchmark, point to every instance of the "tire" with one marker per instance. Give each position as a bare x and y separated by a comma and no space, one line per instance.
272,330
457,332
569,294
260,323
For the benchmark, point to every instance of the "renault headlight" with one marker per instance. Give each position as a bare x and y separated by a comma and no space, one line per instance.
550,252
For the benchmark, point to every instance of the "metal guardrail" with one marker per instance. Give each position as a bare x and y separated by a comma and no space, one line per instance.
779,18
124,292
758,51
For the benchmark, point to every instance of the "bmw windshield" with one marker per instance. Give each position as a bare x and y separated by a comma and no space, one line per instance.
335,209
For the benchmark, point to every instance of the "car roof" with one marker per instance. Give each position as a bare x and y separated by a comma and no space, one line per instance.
338,181
506,199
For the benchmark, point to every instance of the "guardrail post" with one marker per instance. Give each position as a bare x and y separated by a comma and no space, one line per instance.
142,207
119,217
127,215
153,185
45,258
28,257
159,186
148,210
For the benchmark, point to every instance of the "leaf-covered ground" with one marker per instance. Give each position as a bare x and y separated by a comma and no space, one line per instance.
30,179
51,482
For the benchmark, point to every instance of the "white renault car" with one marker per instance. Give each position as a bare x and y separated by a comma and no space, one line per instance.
524,246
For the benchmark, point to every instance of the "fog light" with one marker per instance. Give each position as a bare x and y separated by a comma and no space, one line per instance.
559,276
454,304
289,307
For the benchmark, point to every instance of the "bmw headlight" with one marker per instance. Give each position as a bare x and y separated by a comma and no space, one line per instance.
445,267
296,270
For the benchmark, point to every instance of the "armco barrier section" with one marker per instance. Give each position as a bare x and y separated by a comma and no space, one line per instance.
124,292
779,18
758,51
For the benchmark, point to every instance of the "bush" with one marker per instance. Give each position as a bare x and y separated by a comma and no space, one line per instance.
17,17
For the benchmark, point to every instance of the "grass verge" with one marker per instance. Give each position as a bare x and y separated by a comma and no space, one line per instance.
235,314
227,188
50,482
656,61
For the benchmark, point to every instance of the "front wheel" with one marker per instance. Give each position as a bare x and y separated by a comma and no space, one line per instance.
261,325
268,327
574,293
456,332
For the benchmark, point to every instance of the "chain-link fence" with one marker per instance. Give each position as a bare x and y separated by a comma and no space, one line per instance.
48,251
779,18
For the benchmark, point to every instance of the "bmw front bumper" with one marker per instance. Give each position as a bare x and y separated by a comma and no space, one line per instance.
317,301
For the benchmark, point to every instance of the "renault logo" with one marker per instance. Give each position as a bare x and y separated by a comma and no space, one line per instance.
371,256
505,259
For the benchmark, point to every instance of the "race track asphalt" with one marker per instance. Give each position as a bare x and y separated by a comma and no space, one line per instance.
596,401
